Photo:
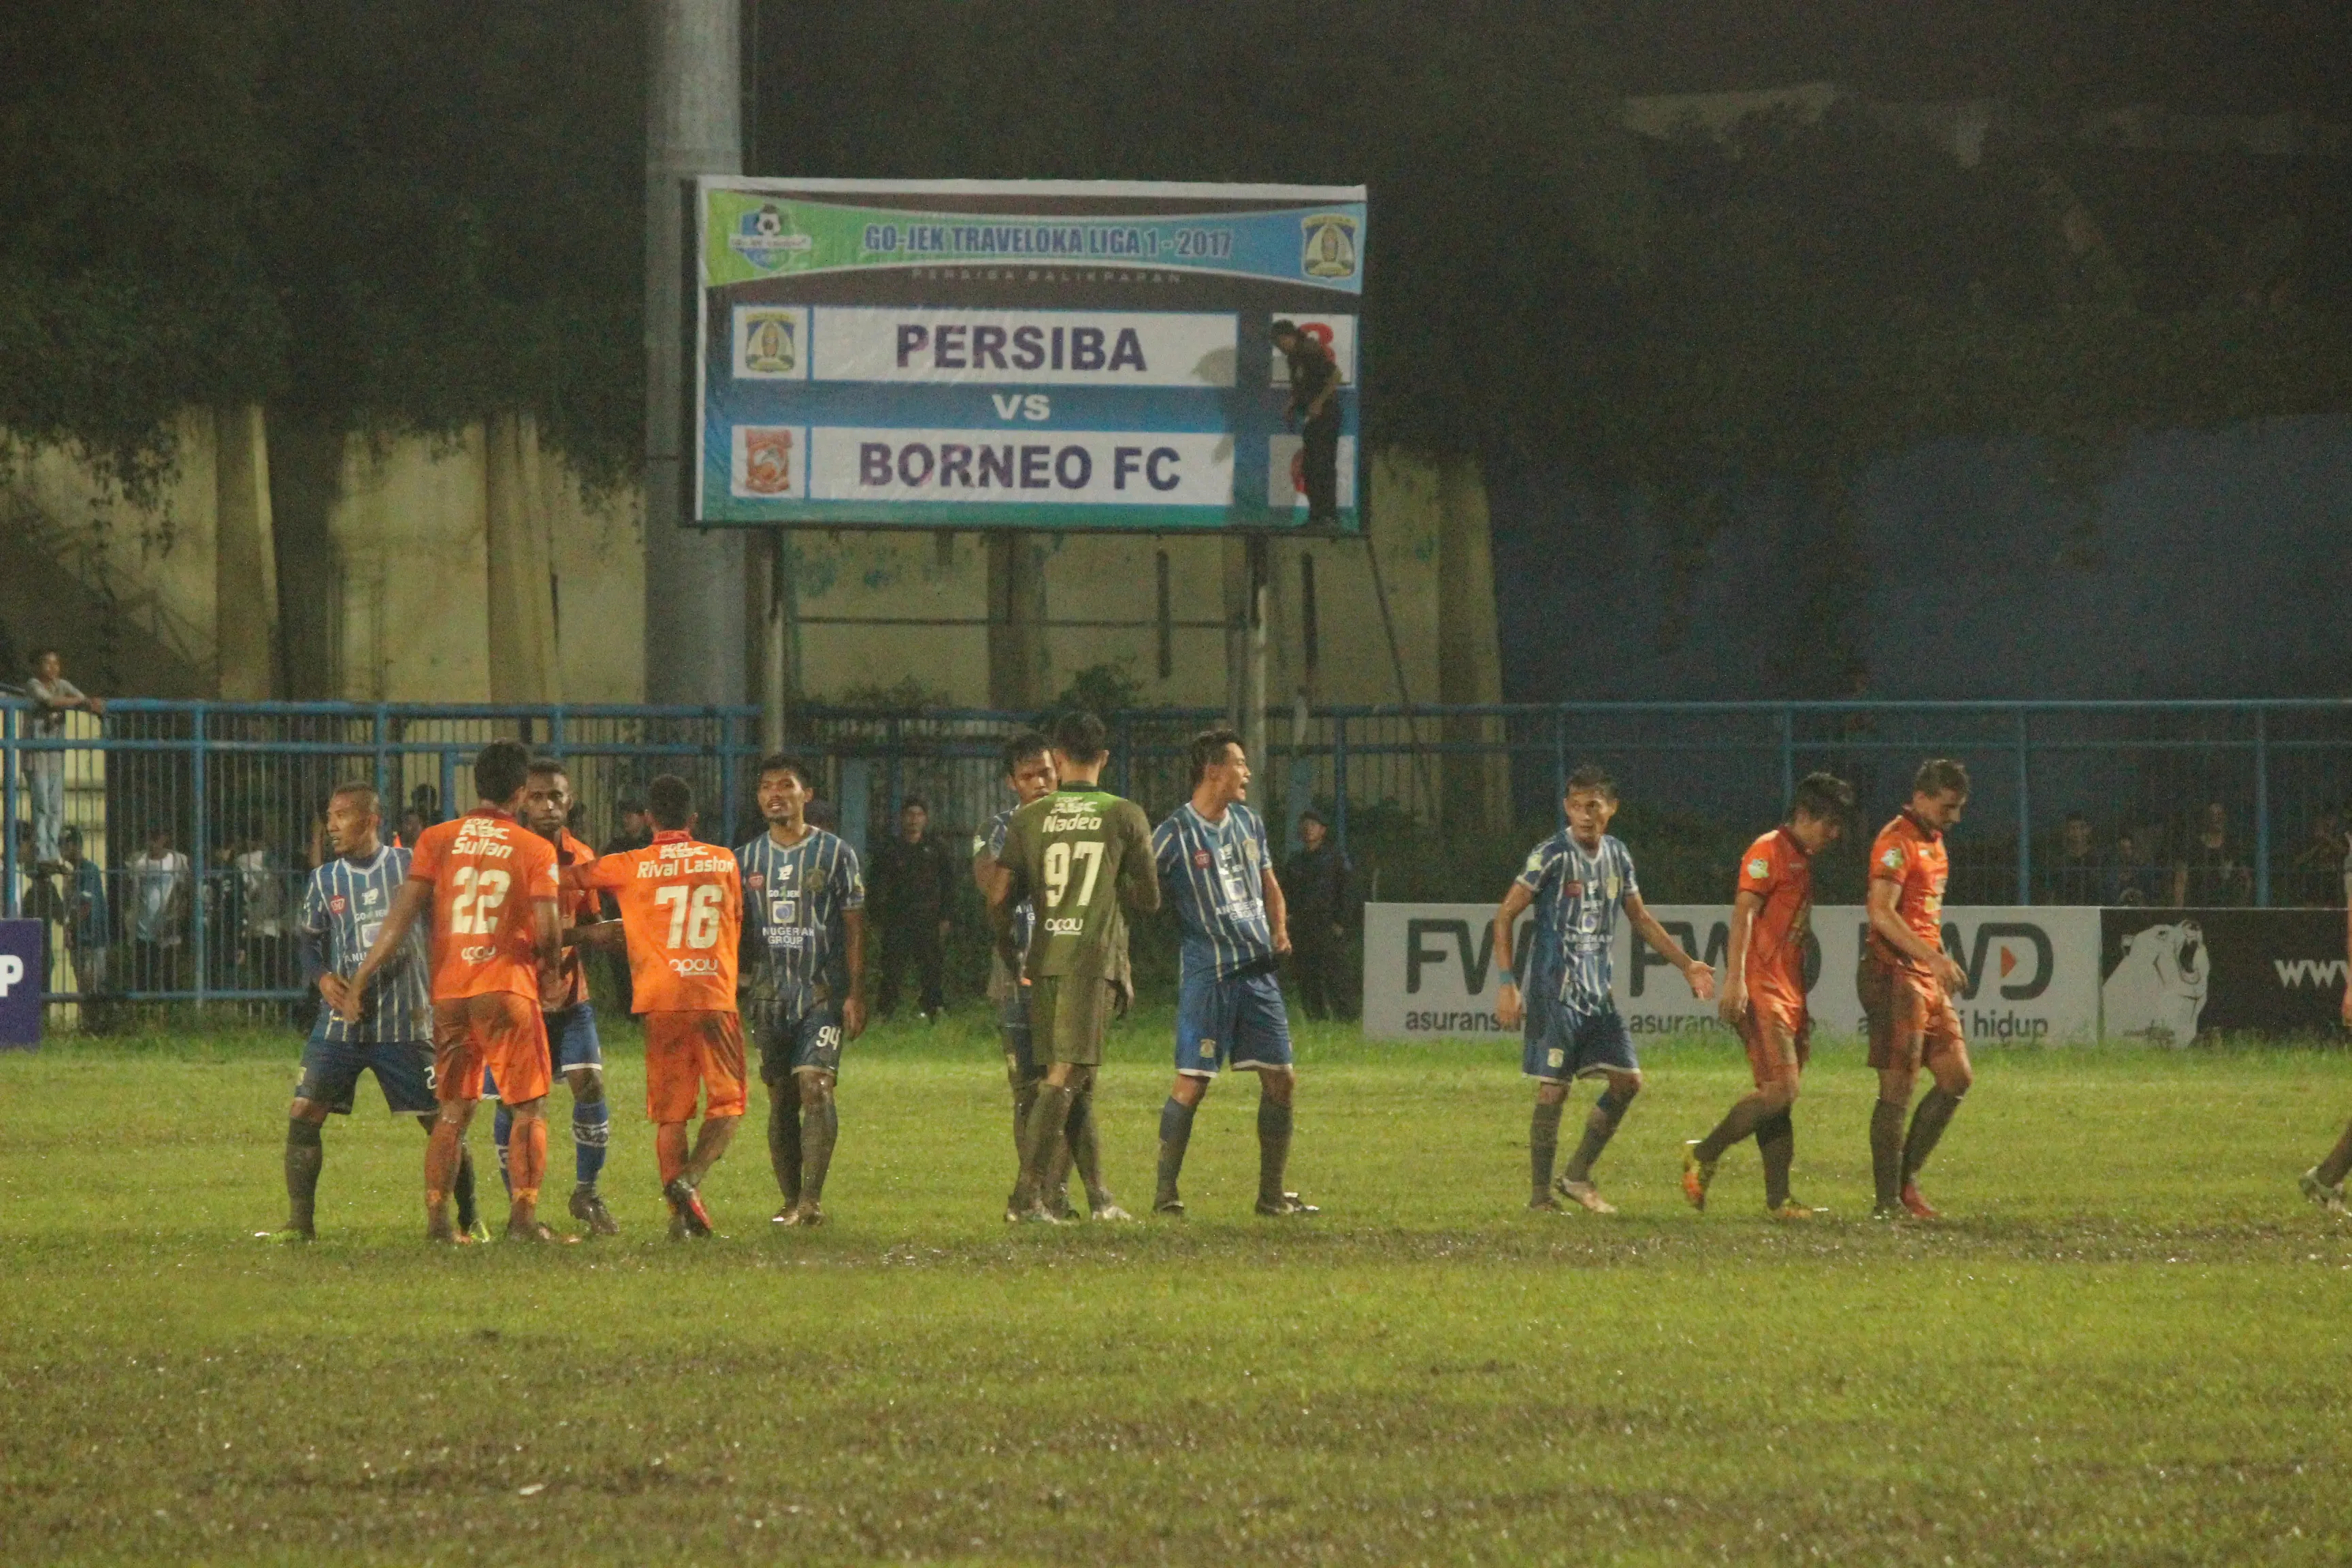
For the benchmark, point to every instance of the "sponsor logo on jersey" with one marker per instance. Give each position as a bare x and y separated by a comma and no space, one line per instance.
1892,860
1063,925
1758,867
477,954
694,966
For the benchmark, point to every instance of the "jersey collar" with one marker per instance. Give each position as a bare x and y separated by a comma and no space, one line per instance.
669,836
1919,828
1795,844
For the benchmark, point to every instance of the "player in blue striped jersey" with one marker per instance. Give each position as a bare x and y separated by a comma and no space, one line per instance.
343,906
804,963
1215,868
1029,774
1579,880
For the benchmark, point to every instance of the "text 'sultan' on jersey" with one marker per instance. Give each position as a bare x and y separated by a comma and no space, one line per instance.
1081,855
1213,873
343,907
1584,891
793,902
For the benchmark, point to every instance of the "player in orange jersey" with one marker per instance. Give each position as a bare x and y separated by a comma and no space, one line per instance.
1906,983
682,912
1763,993
490,882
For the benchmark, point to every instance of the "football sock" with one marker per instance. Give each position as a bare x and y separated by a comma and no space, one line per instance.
669,1151
1598,1128
1086,1150
2332,1169
1175,1133
502,1135
1928,1124
785,1147
442,1152
1024,1099
1741,1119
591,1134
1273,1147
1543,1146
1064,1154
1047,1119
304,1156
820,1127
1886,1153
1776,1140
528,1159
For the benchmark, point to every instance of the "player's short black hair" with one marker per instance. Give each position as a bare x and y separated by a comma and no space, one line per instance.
1208,748
69,836
357,787
630,805
547,764
1940,776
1824,797
1285,327
1314,816
914,803
778,763
1590,778
671,800
501,769
1021,745
1080,736
2074,816
33,660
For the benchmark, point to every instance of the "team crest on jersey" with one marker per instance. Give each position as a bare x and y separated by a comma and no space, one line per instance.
755,881
1609,891
1556,1057
1758,867
1571,889
337,904
1201,858
1892,860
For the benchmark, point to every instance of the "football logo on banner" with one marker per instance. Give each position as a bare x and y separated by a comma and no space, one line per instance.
1329,250
764,462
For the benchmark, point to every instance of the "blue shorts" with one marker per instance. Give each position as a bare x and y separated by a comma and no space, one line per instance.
572,1042
1563,1045
403,1068
806,1042
1237,1022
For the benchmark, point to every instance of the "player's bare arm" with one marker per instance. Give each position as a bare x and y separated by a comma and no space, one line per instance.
1887,921
1278,913
1701,977
414,897
597,936
1731,1004
547,922
852,1006
1509,1006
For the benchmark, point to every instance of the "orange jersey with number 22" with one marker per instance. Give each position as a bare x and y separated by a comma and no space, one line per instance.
486,870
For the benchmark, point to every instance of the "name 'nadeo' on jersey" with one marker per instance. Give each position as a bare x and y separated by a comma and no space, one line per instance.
343,907
1579,893
1214,873
794,900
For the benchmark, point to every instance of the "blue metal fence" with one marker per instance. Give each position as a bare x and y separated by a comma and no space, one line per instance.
235,791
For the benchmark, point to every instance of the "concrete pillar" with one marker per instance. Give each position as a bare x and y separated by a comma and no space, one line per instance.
524,664
695,628
1469,658
244,562
1018,668
775,607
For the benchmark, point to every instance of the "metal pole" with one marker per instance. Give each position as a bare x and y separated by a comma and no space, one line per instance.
1788,758
775,672
450,786
1127,756
2024,818
694,651
1254,656
382,724
8,755
1340,778
201,855
2262,809
729,774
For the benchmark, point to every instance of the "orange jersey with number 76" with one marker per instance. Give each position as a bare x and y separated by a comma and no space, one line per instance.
682,911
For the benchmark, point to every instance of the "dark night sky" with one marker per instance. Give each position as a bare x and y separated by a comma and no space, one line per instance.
2210,56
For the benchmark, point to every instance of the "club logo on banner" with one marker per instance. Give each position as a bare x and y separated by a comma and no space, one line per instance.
1429,971
2172,975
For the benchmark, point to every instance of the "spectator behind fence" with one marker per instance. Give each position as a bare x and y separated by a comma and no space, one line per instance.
2076,874
53,698
2136,881
90,926
160,891
2318,865
261,926
912,893
2211,873
1315,884
412,829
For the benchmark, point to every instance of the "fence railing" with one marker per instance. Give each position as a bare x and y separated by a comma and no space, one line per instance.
199,822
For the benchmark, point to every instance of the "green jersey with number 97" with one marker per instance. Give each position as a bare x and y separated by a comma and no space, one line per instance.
1083,856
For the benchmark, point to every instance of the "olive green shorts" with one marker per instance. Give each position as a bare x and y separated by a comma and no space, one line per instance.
1068,1016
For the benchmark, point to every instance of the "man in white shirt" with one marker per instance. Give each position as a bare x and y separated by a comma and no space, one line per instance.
159,889
53,697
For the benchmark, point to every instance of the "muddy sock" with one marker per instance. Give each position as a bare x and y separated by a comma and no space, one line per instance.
1175,1133
1086,1151
1598,1128
1047,1121
1928,1124
785,1147
501,1135
462,1189
1776,1140
820,1128
1543,1147
2338,1160
1273,1147
1886,1153
304,1156
1741,1119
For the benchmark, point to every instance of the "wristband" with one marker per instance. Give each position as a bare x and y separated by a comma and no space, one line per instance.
1505,975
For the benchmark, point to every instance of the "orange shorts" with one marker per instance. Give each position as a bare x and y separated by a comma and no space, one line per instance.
1911,1020
1771,1013
500,1031
690,1052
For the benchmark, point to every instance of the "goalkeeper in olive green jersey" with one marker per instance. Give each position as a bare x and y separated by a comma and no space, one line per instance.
1079,854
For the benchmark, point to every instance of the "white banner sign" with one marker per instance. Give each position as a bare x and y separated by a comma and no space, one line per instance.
1024,348
2033,973
1039,468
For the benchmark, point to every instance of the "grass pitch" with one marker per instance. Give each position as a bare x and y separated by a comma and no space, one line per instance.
2129,1345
